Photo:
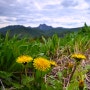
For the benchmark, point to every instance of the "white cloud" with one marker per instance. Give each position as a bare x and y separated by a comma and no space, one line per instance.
82,4
5,21
68,13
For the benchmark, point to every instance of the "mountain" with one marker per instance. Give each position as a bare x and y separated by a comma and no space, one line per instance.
21,31
41,30
45,27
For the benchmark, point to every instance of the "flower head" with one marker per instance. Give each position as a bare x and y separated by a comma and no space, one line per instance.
70,65
41,64
53,63
78,56
24,59
81,83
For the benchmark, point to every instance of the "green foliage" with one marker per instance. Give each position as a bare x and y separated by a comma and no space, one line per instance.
29,32
54,48
85,29
6,78
54,84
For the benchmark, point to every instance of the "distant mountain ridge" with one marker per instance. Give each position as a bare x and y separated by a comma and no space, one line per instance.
45,27
41,30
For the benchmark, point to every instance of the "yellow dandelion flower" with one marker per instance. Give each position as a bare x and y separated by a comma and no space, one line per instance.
53,63
70,65
81,84
41,64
24,59
78,56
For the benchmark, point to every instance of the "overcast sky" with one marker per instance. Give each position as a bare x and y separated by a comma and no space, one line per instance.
57,13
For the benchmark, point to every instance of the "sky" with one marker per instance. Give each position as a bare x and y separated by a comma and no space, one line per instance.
56,13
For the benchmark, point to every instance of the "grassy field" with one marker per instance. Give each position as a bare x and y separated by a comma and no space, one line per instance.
45,64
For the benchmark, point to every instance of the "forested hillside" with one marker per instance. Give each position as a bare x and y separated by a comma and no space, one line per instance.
41,30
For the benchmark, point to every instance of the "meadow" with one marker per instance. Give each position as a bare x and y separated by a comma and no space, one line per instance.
51,63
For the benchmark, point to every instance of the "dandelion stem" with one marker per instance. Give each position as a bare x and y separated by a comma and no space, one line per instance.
71,75
25,71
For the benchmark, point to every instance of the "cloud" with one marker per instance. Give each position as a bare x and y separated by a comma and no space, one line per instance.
76,4
67,13
82,4
69,3
5,21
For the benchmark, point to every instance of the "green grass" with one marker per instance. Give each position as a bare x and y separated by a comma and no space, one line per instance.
53,48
